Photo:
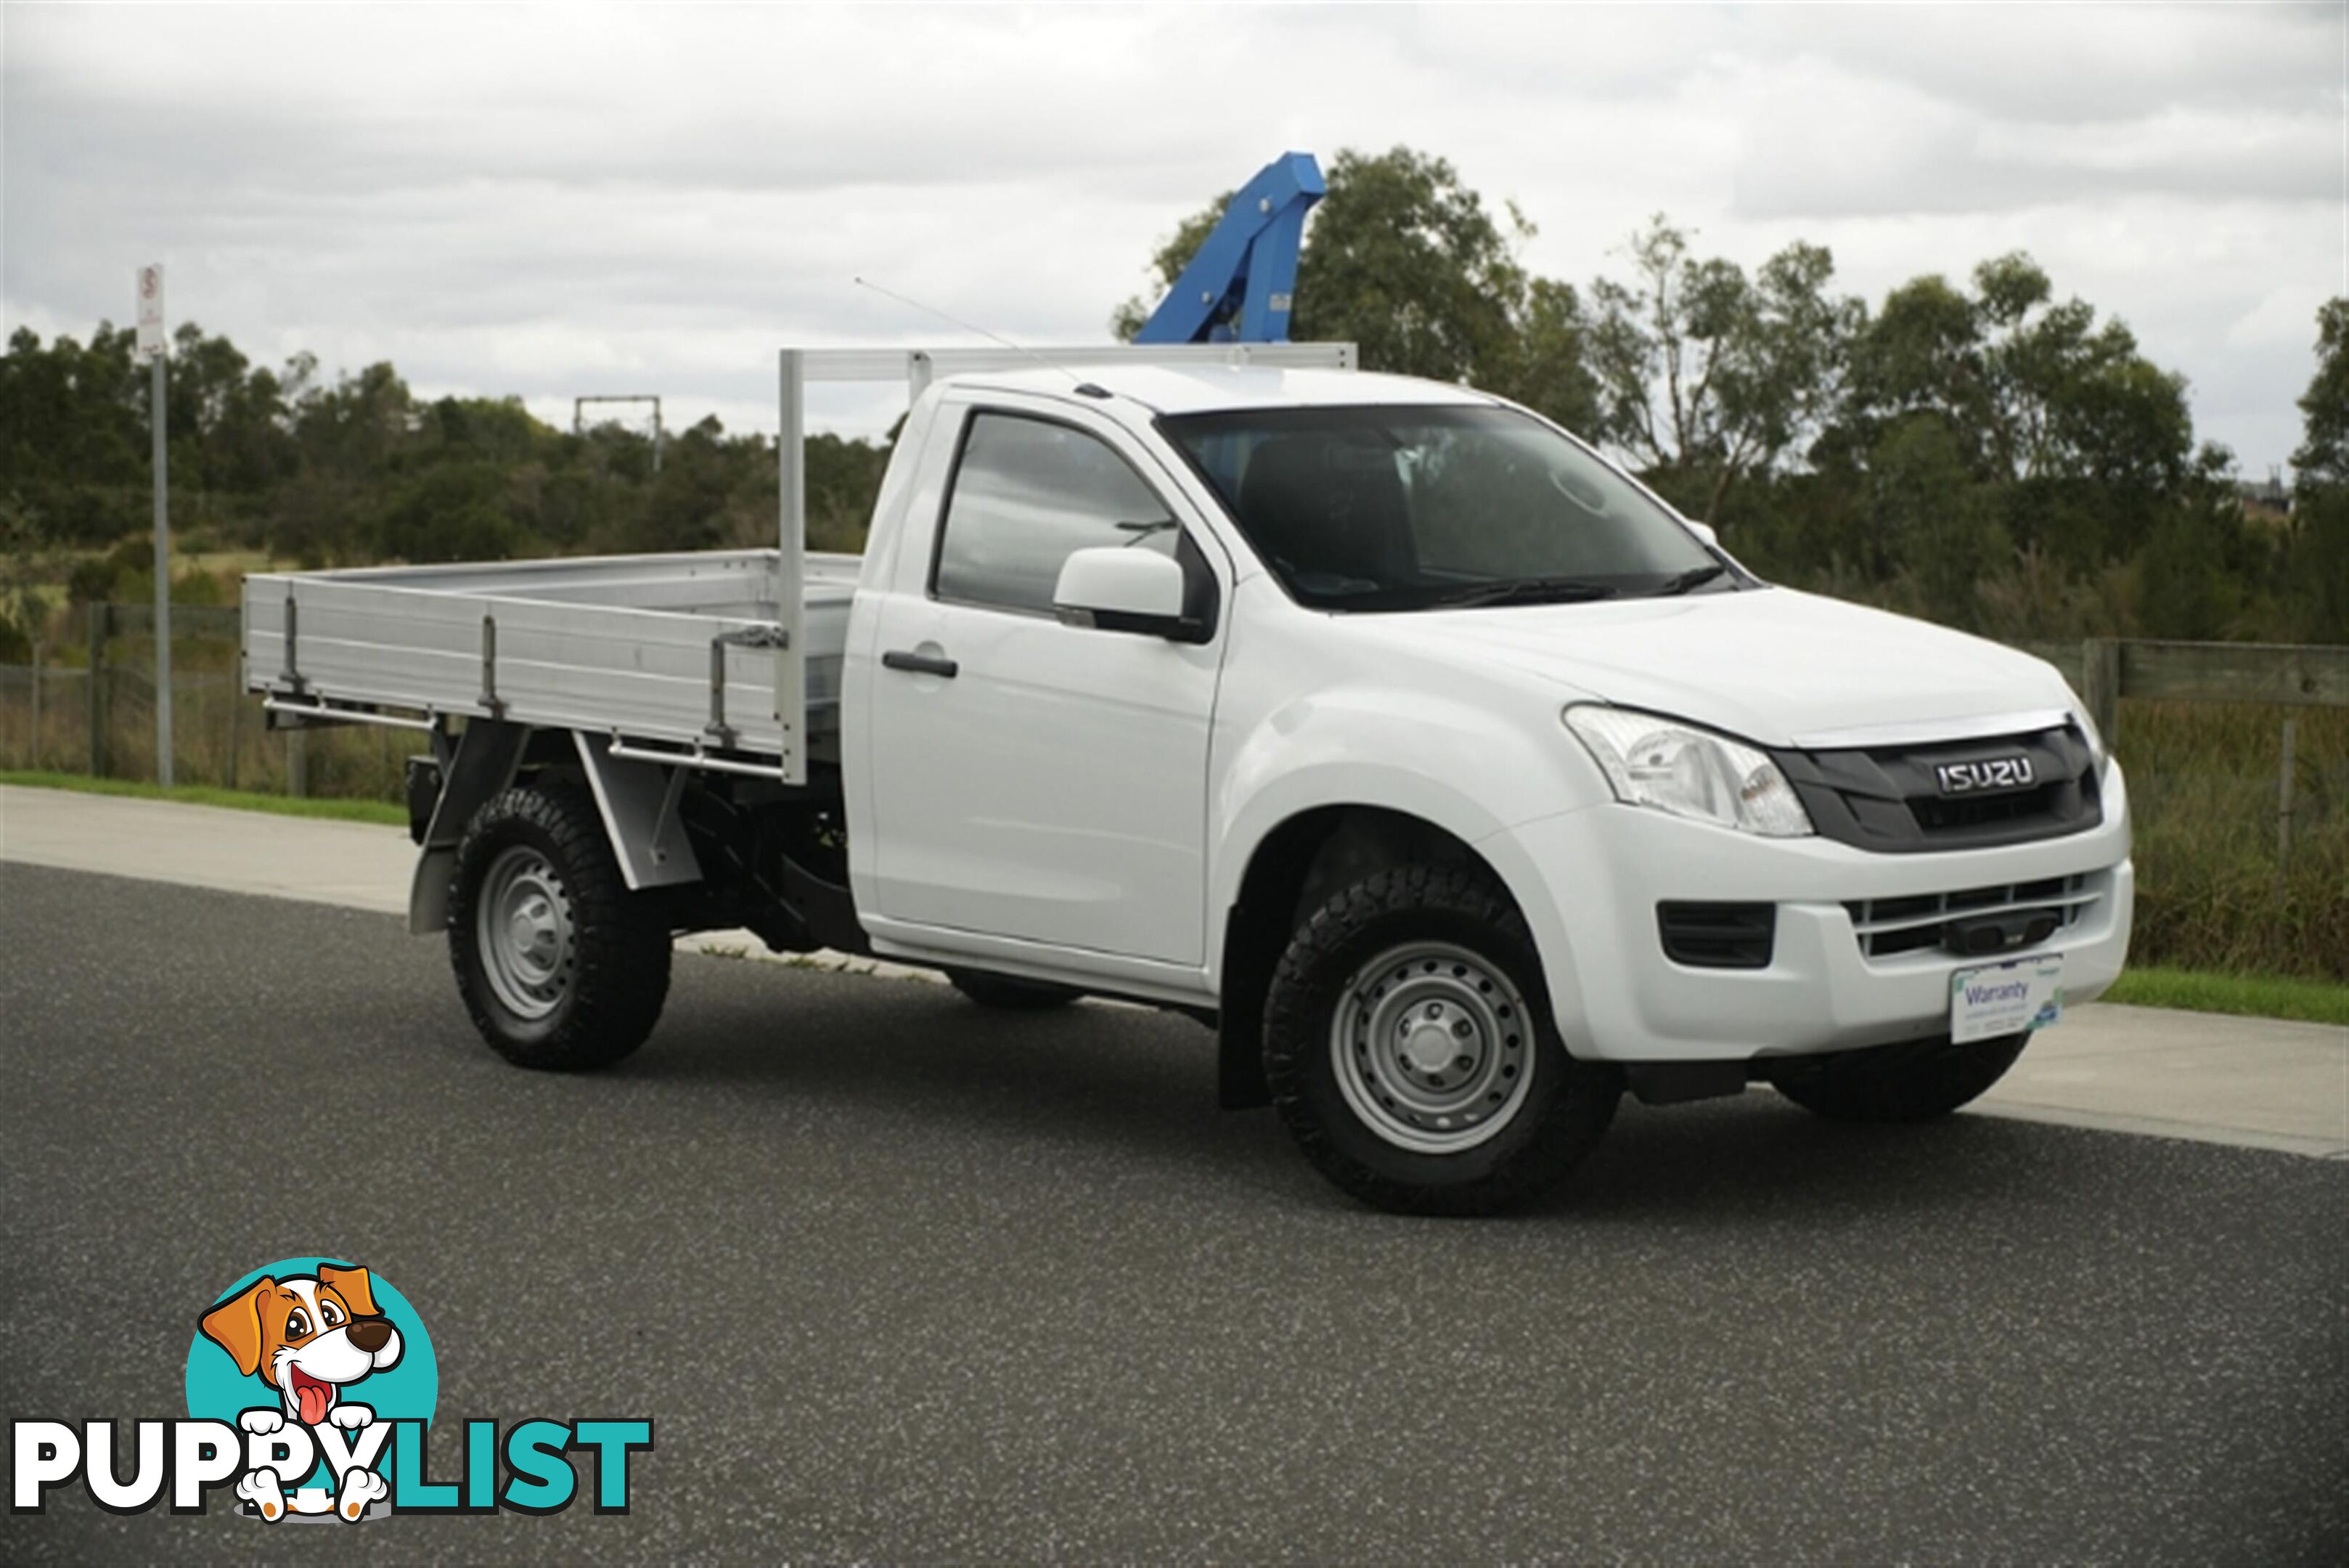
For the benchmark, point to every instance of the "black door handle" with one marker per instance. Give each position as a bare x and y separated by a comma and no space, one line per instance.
920,663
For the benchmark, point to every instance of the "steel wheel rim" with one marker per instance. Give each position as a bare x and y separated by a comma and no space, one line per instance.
1433,1046
523,926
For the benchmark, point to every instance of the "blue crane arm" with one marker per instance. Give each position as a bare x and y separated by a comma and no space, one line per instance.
1239,286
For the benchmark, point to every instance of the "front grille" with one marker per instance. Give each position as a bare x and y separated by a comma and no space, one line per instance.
1961,813
1888,798
1887,927
1718,936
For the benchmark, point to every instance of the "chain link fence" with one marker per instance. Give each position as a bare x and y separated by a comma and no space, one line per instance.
86,705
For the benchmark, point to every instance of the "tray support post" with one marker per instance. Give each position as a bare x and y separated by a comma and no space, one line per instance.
290,677
491,703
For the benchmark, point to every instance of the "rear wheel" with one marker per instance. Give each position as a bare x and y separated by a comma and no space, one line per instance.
1409,1046
1009,992
559,964
1913,1082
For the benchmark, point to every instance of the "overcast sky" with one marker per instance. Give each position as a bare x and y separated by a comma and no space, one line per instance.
558,202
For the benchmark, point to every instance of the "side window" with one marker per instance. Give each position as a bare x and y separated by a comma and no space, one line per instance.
1028,493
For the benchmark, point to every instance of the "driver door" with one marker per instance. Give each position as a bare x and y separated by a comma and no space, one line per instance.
1031,779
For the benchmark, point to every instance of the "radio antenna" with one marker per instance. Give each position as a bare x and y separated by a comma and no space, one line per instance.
967,327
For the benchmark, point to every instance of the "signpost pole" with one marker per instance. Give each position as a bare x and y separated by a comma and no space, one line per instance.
162,592
151,343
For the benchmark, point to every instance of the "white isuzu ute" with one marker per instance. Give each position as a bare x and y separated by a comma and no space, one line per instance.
1451,775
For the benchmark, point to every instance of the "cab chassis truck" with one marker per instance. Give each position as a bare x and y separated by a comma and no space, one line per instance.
1449,774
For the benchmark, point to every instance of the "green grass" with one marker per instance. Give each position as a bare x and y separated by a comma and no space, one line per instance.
204,794
2203,794
2254,995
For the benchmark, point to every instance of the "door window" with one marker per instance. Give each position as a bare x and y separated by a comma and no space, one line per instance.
1028,493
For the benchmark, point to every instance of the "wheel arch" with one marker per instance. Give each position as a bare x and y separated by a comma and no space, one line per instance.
634,801
1294,866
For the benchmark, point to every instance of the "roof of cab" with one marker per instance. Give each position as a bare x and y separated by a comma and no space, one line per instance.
1203,389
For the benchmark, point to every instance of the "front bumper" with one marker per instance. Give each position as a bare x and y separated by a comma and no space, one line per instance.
1590,881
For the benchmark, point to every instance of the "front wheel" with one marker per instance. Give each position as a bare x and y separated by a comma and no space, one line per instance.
1409,1046
559,964
1916,1081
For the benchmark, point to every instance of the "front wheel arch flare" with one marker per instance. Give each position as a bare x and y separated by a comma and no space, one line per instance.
1312,851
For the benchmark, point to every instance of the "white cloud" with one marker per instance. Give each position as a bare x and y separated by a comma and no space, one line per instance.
554,201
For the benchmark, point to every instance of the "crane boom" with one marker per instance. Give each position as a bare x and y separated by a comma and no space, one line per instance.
1241,284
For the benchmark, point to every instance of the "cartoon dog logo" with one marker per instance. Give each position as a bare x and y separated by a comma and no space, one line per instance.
310,1337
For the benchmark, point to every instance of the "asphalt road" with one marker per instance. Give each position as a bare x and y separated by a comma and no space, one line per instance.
899,1279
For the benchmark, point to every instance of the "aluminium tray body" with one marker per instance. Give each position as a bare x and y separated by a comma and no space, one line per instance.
679,649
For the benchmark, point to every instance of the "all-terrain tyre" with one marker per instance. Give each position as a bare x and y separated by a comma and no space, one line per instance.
561,967
1915,1081
1409,1049
1010,992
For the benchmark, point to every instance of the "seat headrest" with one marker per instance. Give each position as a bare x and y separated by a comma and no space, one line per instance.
1324,506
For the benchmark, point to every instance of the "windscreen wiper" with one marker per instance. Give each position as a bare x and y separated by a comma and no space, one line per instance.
1695,577
1524,591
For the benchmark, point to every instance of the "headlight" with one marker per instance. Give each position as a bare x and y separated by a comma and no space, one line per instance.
1677,767
2096,749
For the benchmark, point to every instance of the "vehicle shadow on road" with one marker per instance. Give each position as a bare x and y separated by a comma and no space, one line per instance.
1140,1086
1757,1156
906,1050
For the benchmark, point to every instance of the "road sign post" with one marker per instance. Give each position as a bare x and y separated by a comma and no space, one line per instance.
154,344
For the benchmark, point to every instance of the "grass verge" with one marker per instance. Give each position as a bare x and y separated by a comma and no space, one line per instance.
2257,996
204,794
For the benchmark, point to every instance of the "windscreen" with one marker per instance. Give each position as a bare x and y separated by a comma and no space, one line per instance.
1393,508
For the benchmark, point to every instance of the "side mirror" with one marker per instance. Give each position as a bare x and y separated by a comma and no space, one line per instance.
1712,537
1117,589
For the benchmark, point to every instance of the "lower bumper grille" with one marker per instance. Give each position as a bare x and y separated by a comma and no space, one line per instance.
2015,913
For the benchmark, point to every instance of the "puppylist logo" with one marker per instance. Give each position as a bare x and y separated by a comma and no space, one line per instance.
311,1384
